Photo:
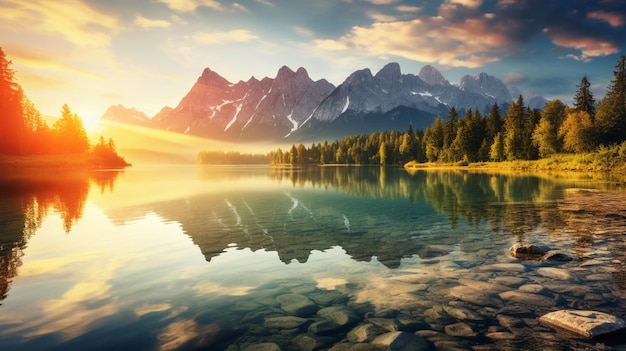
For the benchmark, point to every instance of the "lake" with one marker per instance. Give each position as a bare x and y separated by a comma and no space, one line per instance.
259,258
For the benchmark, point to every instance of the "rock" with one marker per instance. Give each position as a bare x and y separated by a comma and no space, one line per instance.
463,314
504,267
501,336
324,326
555,273
460,329
402,341
509,322
555,256
365,333
340,315
527,251
474,296
266,346
532,288
528,298
286,322
406,322
387,324
297,305
586,323
306,342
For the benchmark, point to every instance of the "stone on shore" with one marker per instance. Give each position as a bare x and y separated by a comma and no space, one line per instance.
586,323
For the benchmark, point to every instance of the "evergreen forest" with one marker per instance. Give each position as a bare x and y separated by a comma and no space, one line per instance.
24,131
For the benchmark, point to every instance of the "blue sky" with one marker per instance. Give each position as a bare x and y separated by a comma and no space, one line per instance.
147,53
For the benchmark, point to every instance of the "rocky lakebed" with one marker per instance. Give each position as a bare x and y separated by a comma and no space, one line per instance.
477,295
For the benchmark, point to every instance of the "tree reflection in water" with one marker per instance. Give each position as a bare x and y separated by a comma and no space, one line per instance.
26,198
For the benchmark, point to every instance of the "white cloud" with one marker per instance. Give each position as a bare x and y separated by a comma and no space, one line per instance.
190,5
240,7
404,8
513,77
237,35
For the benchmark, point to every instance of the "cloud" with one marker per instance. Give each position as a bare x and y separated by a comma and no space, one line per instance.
147,23
380,17
190,5
613,18
304,31
467,3
513,78
405,8
265,2
588,46
472,33
431,39
237,35
381,2
78,23
240,7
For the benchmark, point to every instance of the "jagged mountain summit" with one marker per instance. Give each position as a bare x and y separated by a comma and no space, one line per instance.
293,107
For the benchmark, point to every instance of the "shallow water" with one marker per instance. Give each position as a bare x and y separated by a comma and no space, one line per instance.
185,258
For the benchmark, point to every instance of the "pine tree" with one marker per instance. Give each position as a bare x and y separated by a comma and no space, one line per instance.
610,121
70,133
13,131
583,100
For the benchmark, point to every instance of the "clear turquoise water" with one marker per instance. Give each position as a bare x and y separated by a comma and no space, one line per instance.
185,258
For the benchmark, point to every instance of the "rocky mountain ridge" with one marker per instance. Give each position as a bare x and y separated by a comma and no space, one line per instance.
292,107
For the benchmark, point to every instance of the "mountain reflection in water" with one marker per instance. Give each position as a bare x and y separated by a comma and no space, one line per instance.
339,229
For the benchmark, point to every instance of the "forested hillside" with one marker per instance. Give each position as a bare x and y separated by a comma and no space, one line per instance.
23,131
519,133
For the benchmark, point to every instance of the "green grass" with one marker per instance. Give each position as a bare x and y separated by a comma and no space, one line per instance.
605,159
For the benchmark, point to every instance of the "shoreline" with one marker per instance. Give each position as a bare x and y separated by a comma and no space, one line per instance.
82,161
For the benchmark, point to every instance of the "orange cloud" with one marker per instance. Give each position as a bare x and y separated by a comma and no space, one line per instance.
612,18
588,46
466,44
147,23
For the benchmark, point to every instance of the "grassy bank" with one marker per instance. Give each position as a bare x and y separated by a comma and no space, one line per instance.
605,160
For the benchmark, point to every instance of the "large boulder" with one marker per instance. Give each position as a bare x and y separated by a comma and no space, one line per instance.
586,323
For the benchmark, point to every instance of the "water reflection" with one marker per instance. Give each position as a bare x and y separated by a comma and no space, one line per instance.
391,246
28,197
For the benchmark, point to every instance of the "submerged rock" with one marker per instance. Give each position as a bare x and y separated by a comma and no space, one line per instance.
586,323
460,329
555,256
297,305
528,251
402,341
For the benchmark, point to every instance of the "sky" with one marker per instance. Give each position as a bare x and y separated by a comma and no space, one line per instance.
147,54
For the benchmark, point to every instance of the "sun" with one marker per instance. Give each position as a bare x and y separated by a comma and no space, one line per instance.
90,123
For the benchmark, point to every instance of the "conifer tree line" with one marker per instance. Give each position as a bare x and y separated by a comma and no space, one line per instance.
513,132
24,132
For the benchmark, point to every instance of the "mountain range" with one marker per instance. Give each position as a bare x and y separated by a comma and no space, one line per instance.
292,107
